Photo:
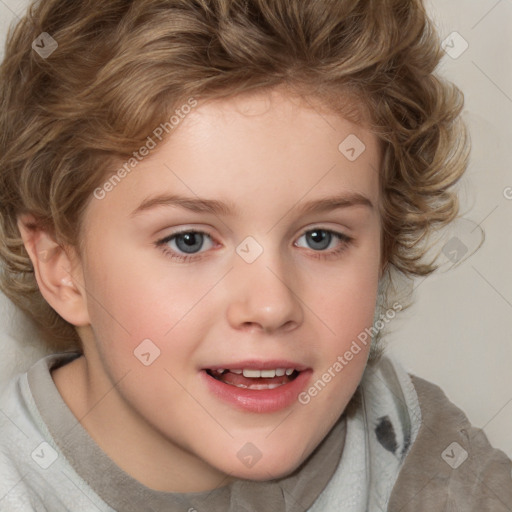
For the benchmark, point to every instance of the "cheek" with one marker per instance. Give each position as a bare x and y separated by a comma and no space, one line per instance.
348,300
129,291
348,308
130,301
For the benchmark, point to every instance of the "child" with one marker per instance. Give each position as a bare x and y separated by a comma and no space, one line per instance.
202,207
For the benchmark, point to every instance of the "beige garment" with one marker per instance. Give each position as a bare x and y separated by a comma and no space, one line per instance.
430,480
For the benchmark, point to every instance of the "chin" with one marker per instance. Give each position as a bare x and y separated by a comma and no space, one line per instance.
263,471
253,465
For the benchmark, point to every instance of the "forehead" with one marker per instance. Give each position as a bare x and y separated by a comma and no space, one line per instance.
268,148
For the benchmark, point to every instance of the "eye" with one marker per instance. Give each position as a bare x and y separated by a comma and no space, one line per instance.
320,240
185,244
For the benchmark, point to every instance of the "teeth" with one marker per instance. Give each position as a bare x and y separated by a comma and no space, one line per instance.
252,374
258,387
256,374
267,374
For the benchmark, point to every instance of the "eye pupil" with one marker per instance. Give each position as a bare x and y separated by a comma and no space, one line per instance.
321,238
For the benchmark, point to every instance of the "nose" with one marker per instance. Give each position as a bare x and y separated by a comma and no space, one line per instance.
261,298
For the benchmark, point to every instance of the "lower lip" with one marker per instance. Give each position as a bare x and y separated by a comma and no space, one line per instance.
265,400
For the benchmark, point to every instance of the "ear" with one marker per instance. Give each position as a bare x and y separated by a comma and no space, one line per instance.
57,270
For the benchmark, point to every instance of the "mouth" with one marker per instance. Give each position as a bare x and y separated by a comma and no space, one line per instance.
257,386
254,379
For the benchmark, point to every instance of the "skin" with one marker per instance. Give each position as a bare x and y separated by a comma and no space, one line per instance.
160,423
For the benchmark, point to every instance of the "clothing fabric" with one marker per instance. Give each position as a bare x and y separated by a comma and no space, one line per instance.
400,447
451,467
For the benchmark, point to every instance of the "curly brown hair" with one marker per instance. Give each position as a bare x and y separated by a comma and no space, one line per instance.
122,67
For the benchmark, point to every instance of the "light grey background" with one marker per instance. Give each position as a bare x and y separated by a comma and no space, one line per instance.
458,333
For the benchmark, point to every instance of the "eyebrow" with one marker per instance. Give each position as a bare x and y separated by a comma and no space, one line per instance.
215,207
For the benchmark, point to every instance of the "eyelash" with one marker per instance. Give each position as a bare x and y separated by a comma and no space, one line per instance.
345,240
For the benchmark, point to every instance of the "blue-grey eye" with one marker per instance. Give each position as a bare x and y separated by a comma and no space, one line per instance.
319,239
189,242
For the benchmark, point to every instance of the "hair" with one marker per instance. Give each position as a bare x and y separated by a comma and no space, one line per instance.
123,67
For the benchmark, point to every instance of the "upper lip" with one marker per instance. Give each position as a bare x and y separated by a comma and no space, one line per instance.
258,365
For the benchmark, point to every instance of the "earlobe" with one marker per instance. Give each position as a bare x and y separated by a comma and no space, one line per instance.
57,271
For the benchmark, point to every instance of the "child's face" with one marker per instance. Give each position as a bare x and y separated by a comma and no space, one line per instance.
300,304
